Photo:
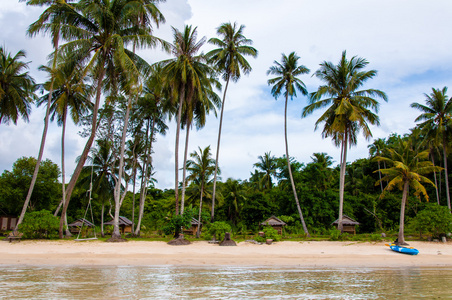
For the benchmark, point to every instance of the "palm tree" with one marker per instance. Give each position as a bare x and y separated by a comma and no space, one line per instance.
185,74
97,33
234,194
229,59
349,109
286,80
376,149
201,169
267,164
68,92
16,87
408,167
436,122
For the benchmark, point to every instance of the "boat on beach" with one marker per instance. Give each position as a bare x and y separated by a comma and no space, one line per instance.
405,250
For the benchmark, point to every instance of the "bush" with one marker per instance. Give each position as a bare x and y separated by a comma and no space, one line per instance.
177,222
219,229
434,219
269,233
335,235
40,225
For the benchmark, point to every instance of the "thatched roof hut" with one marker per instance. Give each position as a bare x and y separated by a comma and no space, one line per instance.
276,223
348,224
125,225
194,227
75,227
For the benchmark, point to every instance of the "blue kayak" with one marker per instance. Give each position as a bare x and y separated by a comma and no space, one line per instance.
404,250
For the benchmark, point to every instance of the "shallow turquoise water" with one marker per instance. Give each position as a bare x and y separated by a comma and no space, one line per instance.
174,282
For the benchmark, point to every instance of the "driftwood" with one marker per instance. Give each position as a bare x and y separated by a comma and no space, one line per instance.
227,240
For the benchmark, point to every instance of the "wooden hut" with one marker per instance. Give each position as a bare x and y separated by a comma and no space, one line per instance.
125,225
275,223
7,223
348,224
75,227
194,227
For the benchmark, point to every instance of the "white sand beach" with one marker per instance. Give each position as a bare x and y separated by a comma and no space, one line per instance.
145,253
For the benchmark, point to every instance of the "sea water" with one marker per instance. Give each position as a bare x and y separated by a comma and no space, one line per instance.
173,282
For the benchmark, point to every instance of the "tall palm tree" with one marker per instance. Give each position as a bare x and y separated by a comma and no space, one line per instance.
376,149
185,74
286,80
69,92
348,108
436,121
408,165
229,59
267,164
17,87
97,33
201,168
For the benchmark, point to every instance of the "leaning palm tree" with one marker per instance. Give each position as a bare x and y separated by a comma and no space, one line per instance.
17,87
408,167
185,74
286,80
436,121
348,108
230,61
201,169
98,33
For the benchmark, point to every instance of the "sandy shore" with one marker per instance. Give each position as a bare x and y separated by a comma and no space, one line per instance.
138,253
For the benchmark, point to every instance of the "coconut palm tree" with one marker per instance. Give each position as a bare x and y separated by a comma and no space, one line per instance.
376,149
97,33
17,87
267,164
349,109
185,74
436,122
201,168
286,80
408,167
229,59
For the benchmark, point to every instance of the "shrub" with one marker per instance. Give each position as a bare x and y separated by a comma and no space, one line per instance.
219,229
177,222
40,225
434,219
334,235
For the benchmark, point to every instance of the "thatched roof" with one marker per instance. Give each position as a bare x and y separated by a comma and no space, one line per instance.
81,222
273,221
346,220
194,221
123,221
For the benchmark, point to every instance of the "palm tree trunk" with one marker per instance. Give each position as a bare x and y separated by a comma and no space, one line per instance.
184,171
102,221
446,174
342,182
434,176
63,177
117,194
379,176
176,151
198,231
305,229
43,141
85,152
401,237
212,214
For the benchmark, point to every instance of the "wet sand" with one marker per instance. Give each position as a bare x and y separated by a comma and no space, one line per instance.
145,253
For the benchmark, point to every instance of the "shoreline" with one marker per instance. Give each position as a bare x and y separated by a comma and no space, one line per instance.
321,254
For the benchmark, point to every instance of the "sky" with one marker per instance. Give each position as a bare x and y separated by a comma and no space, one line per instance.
407,41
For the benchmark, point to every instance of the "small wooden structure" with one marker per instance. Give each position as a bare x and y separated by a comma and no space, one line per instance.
125,225
75,227
275,223
8,223
194,227
348,224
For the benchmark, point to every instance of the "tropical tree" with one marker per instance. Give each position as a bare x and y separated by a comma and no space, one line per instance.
376,149
286,80
349,109
98,33
201,168
267,164
185,74
408,167
229,59
16,87
436,122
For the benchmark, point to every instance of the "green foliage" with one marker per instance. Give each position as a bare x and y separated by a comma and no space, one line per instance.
335,235
219,229
177,222
271,233
40,225
434,220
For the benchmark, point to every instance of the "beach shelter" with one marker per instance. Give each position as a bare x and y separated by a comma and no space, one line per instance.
348,224
76,226
276,223
194,227
125,225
